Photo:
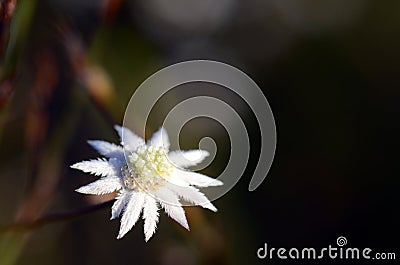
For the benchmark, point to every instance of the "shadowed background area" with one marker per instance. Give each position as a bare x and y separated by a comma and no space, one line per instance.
330,72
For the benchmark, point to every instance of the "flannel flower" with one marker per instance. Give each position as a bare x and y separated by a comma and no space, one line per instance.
146,176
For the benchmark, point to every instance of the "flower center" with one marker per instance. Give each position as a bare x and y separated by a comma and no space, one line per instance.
149,169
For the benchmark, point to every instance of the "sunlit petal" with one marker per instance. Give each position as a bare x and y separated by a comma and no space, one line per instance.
102,186
187,158
160,139
131,213
128,139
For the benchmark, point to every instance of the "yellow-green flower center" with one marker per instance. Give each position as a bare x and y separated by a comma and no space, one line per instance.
148,169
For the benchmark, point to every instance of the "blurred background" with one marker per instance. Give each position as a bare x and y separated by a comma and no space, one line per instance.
329,69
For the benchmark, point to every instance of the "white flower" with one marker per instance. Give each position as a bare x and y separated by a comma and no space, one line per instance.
152,176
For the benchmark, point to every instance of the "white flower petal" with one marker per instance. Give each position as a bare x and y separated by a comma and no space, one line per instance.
194,178
131,213
160,139
187,158
177,181
170,202
102,186
117,163
150,216
193,195
120,203
99,167
129,140
107,149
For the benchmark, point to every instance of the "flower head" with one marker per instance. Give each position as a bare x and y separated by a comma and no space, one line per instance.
146,176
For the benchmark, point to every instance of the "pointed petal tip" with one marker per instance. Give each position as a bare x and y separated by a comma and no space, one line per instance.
80,190
216,182
121,234
147,237
184,224
160,139
213,183
161,129
211,207
205,153
92,143
84,190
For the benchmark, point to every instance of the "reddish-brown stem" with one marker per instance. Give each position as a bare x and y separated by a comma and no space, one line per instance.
55,218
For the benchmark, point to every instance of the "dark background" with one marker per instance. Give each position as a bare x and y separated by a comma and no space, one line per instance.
329,69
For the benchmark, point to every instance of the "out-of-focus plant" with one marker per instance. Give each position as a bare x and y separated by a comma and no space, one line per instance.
46,123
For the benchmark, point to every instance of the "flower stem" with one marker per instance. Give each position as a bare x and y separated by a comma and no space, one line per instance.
55,218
